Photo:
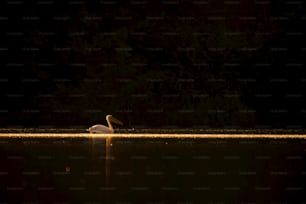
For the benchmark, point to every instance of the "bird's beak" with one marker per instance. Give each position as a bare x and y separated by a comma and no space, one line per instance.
115,120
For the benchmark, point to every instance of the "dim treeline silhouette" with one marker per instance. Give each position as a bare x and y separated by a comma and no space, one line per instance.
156,65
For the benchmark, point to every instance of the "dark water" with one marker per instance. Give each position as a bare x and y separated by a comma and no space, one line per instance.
152,170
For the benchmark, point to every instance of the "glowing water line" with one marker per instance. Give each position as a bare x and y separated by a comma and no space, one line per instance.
146,135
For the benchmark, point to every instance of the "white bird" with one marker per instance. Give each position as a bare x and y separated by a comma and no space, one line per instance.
102,128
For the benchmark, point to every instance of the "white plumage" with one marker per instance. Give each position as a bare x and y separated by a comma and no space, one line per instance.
102,128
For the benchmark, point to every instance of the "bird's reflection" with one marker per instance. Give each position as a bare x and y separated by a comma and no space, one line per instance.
108,159
103,152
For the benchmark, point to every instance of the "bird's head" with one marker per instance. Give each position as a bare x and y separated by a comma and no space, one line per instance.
113,119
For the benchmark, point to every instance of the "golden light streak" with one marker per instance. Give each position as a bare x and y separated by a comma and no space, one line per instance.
146,135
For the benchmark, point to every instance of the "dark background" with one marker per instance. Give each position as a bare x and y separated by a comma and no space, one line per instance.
228,64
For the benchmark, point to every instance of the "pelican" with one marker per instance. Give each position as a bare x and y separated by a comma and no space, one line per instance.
102,128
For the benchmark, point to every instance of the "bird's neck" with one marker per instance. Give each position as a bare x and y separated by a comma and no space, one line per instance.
110,126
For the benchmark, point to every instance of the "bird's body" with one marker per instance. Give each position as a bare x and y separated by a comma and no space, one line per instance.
100,129
104,129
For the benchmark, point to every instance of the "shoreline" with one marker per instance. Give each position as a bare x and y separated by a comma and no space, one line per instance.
81,130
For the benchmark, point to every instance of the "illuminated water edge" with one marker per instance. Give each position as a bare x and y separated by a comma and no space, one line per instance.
169,130
148,135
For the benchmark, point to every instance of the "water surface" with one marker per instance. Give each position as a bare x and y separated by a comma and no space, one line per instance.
152,168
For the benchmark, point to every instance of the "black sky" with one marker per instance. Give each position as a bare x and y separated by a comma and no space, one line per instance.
153,63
